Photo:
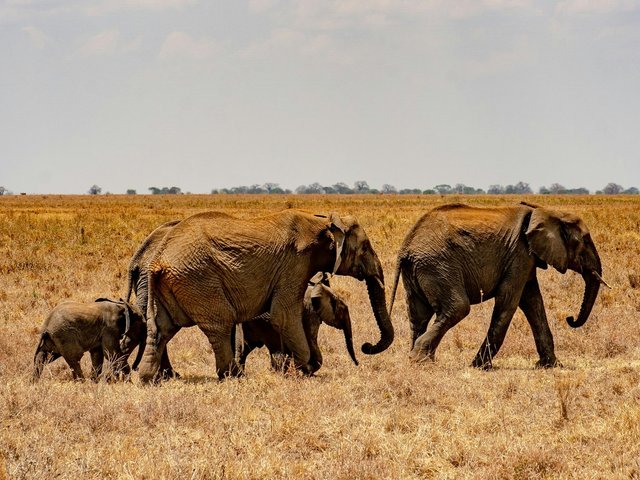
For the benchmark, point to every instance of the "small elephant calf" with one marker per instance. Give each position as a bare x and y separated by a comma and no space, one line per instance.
321,304
104,327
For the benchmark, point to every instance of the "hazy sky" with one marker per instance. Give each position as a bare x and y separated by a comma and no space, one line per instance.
207,94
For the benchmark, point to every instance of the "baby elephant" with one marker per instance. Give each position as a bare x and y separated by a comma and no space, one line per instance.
104,327
321,304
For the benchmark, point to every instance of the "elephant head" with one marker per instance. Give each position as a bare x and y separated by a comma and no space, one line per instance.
356,257
563,241
329,308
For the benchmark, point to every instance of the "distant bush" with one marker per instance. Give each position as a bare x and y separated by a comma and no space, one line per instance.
165,191
557,189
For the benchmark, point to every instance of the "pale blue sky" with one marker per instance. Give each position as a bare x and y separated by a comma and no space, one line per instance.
209,94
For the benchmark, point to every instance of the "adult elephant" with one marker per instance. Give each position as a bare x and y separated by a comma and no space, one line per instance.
457,255
215,271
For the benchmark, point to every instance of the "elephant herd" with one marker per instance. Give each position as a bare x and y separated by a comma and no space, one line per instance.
248,283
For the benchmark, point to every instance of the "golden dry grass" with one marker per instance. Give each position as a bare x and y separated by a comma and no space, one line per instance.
387,418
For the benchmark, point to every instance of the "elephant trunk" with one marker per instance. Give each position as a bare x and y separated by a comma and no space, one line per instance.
375,288
348,338
141,347
591,273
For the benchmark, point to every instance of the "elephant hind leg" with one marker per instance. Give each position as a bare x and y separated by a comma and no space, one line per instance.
420,313
426,344
42,358
160,329
503,310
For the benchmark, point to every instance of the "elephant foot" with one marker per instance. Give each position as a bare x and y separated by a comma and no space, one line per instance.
168,374
419,355
147,377
281,362
485,365
310,370
233,371
306,370
548,363
149,367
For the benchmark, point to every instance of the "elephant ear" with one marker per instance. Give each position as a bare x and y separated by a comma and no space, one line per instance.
338,230
316,295
127,316
547,239
323,304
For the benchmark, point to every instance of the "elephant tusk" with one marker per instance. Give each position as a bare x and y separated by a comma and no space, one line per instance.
600,279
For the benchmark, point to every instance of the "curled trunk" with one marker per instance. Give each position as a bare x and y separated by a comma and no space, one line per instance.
592,286
141,346
591,270
375,287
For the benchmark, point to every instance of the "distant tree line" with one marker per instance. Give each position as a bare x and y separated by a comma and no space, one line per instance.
362,187
256,188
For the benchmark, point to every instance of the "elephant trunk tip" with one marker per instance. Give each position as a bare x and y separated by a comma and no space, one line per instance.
572,322
367,348
381,346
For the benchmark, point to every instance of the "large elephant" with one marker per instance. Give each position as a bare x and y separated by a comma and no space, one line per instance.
103,327
215,271
457,255
321,305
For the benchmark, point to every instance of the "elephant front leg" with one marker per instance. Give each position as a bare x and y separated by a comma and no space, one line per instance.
76,371
420,313
219,335
97,358
288,323
119,364
532,306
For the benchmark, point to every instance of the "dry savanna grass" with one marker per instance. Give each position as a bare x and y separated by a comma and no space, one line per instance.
387,418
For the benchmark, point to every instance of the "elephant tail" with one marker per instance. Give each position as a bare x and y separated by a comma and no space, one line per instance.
151,303
43,339
132,277
396,279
